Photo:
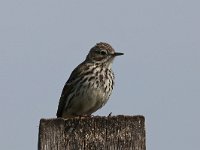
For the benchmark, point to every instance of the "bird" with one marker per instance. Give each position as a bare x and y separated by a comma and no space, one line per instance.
90,83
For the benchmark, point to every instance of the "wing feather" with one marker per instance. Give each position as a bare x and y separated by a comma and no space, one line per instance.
76,74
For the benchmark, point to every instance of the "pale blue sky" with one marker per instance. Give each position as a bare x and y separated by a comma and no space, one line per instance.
41,42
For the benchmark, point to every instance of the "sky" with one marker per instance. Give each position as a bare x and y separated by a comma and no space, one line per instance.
158,76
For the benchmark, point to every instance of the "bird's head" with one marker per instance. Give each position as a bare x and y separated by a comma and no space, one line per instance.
102,53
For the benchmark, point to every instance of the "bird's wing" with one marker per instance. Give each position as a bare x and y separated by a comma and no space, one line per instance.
63,99
76,74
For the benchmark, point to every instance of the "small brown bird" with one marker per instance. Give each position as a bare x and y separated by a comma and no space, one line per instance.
90,84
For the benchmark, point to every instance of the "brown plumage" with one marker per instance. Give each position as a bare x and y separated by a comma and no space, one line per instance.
90,84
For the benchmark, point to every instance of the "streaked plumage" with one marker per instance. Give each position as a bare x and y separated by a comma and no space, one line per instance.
90,84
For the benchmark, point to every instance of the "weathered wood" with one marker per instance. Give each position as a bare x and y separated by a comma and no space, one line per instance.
95,133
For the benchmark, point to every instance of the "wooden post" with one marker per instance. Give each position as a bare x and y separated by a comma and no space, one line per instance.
95,133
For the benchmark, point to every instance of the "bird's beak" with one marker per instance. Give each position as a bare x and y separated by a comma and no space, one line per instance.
118,54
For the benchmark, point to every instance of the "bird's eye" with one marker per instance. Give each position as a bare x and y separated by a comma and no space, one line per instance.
103,52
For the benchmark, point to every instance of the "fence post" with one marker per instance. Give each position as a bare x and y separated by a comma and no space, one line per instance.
95,133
